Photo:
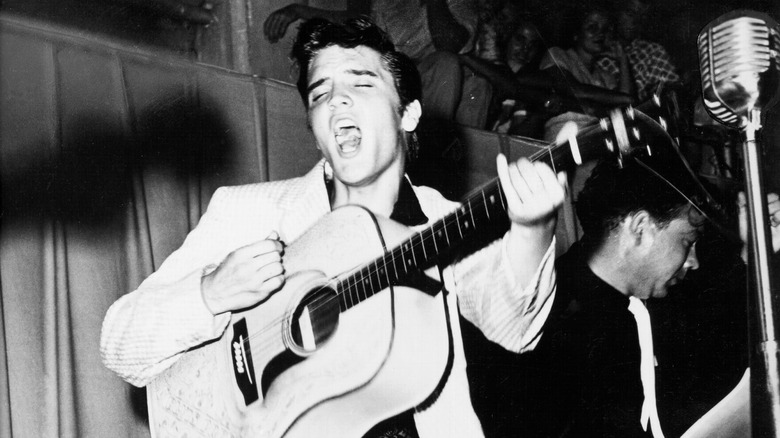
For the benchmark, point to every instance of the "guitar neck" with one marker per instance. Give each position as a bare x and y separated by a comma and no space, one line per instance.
482,212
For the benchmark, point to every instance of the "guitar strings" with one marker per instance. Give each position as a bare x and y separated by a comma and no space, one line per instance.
335,282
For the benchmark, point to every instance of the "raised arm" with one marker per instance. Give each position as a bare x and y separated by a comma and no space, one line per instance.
625,77
448,34
275,26
531,88
565,84
507,289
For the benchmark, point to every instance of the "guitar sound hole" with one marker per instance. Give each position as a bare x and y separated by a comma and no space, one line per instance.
315,319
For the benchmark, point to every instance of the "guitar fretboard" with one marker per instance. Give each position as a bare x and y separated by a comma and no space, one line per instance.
423,249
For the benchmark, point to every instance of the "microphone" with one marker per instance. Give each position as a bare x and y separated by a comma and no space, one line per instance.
738,56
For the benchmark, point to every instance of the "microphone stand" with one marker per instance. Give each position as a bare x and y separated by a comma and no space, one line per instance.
762,294
740,64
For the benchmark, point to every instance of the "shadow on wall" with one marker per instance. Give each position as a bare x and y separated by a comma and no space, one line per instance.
89,180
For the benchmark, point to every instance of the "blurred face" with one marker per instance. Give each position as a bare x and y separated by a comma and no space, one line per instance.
354,115
667,255
629,20
523,47
592,37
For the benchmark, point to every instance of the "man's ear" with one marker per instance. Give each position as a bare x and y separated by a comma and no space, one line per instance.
640,226
411,116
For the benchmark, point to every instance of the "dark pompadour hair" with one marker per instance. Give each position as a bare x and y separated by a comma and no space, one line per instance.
317,34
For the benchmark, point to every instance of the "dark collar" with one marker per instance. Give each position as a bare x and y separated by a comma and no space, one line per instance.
406,211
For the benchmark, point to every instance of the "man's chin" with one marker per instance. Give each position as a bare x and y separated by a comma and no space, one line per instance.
661,293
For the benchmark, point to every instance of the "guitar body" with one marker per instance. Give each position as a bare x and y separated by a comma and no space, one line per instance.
298,365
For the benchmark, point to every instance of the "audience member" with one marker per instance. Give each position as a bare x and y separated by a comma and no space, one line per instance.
649,63
362,101
432,33
497,18
519,91
600,89
517,86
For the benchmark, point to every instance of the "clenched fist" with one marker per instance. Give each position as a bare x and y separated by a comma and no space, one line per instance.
246,277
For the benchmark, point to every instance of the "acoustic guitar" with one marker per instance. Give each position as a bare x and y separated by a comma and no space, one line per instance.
347,343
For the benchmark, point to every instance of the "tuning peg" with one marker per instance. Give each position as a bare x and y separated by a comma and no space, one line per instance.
662,122
635,132
630,112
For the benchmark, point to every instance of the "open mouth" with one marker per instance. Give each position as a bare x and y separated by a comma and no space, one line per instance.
348,138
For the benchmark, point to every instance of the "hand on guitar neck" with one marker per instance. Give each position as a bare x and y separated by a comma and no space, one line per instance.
533,194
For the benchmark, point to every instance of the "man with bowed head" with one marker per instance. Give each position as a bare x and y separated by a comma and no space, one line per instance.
362,100
593,372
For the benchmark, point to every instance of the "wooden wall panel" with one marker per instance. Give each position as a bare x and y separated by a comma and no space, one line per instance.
291,147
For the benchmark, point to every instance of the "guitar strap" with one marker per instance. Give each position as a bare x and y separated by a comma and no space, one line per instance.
450,353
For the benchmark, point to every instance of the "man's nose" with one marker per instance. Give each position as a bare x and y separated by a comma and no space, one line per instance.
339,97
692,261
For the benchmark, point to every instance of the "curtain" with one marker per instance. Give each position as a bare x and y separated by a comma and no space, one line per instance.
108,157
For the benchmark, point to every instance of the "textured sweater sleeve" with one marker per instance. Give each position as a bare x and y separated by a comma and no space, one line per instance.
489,296
147,330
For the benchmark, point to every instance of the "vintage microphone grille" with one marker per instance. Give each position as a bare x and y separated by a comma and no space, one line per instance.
735,44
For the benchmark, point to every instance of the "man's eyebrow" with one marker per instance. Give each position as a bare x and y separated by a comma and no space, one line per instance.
314,85
363,73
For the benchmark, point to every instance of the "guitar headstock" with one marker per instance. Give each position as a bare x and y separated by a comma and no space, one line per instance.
618,135
626,132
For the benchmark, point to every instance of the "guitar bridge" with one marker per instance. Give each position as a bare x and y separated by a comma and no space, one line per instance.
241,360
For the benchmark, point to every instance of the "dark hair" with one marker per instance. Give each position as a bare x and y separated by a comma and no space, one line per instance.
516,28
317,34
611,193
